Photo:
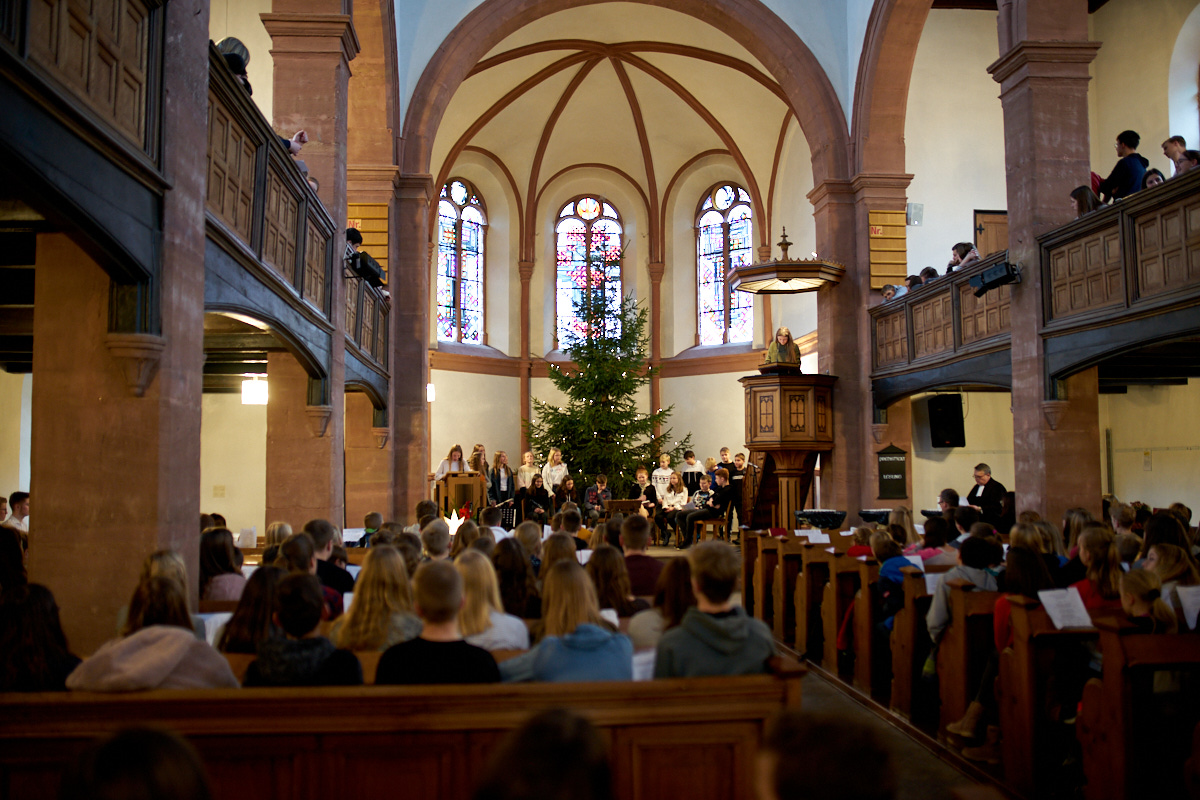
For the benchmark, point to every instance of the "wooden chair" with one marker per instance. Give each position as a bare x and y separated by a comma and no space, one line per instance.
964,650
717,527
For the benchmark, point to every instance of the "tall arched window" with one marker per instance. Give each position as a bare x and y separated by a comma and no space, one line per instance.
462,221
588,244
723,241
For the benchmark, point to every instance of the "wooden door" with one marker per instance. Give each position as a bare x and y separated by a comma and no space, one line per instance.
991,232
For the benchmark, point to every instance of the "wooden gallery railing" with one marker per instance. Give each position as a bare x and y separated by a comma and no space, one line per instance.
941,322
260,209
367,321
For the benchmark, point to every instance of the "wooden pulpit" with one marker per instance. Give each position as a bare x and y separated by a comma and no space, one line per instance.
457,489
789,422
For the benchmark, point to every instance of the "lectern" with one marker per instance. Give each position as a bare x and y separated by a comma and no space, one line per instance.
789,422
457,489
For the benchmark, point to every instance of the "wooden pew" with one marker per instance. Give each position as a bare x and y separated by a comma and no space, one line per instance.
1115,757
836,598
810,586
749,547
1021,694
764,577
253,555
865,676
910,640
357,742
783,587
964,650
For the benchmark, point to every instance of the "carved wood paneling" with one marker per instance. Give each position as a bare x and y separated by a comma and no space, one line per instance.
1085,274
279,230
984,316
379,353
797,413
933,325
314,267
368,321
99,51
1168,247
891,340
353,291
231,158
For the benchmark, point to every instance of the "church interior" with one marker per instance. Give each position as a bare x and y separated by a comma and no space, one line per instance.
166,241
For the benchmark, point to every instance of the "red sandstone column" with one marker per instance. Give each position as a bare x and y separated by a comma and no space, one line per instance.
409,253
313,42
1043,78
369,462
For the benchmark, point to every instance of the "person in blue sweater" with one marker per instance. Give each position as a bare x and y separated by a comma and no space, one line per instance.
578,644
1126,177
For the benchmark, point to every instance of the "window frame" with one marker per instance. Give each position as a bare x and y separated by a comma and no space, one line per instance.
701,211
481,204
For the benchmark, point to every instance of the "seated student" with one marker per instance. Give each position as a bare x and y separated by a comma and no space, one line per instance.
157,649
381,614
1141,600
439,654
302,657
673,596
1174,568
140,762
962,255
571,523
691,472
577,645
715,507
165,564
716,637
1163,527
674,498
662,476
936,550
913,282
556,754
485,544
490,518
1121,516
535,502
974,557
325,536
1128,547
220,578
964,518
862,542
557,547
928,275
643,569
822,757
425,508
1032,535
1152,178
482,619
467,533
902,516
947,502
502,482
1101,588
642,490
371,524
890,586
296,554
516,579
253,620
435,540
410,547
607,570
453,462
36,655
529,534
566,493
595,499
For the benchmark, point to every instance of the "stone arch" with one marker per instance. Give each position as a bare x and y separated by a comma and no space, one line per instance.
881,89
808,89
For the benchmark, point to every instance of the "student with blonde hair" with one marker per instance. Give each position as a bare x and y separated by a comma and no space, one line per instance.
1101,589
382,612
578,645
482,619
902,516
453,462
1141,600
555,470
557,547
276,533
526,471
1174,568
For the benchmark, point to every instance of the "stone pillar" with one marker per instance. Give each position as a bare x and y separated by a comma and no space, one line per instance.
1043,76
313,42
304,459
409,255
843,343
115,473
369,462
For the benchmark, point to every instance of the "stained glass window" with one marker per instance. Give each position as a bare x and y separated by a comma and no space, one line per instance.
462,220
723,240
588,245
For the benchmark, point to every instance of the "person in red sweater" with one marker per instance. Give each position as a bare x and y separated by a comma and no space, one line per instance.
1101,589
862,544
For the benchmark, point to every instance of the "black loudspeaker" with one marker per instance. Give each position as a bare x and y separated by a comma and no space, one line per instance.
946,421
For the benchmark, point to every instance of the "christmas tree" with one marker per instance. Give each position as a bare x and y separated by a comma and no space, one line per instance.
600,430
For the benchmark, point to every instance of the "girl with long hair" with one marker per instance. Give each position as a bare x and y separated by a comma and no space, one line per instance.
606,568
220,578
515,576
453,462
253,620
502,481
673,596
1101,589
36,655
382,612
482,620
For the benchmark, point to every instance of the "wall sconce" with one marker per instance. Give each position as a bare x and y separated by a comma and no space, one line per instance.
254,391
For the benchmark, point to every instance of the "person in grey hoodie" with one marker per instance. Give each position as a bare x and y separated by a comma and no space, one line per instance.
977,554
716,637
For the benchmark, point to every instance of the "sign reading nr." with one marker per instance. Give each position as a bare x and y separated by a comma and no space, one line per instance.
876,230
893,473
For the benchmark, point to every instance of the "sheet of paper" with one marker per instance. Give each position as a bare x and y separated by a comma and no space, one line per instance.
248,570
547,532
353,569
814,537
248,537
352,534
1065,608
916,562
214,624
845,533
919,528
347,599
610,615
643,665
1189,598
931,581
583,556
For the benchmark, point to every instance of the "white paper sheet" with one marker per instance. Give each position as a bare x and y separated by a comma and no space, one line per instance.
1189,598
845,533
1065,608
932,579
214,624
643,665
583,555
354,569
916,562
352,535
347,599
248,537
610,615
814,537
547,532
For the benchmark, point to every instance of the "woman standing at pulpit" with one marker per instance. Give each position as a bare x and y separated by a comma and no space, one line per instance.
782,349
453,462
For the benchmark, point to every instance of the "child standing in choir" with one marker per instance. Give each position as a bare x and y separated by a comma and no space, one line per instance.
555,470
526,471
662,476
503,485
691,472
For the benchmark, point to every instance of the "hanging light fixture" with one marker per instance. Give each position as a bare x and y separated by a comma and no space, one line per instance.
786,276
254,391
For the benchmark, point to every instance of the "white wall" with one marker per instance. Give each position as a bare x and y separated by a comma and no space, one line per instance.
233,460
472,409
987,429
954,133
711,408
15,429
239,18
1155,443
1132,78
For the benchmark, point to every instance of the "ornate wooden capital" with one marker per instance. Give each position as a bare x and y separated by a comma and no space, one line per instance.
138,354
